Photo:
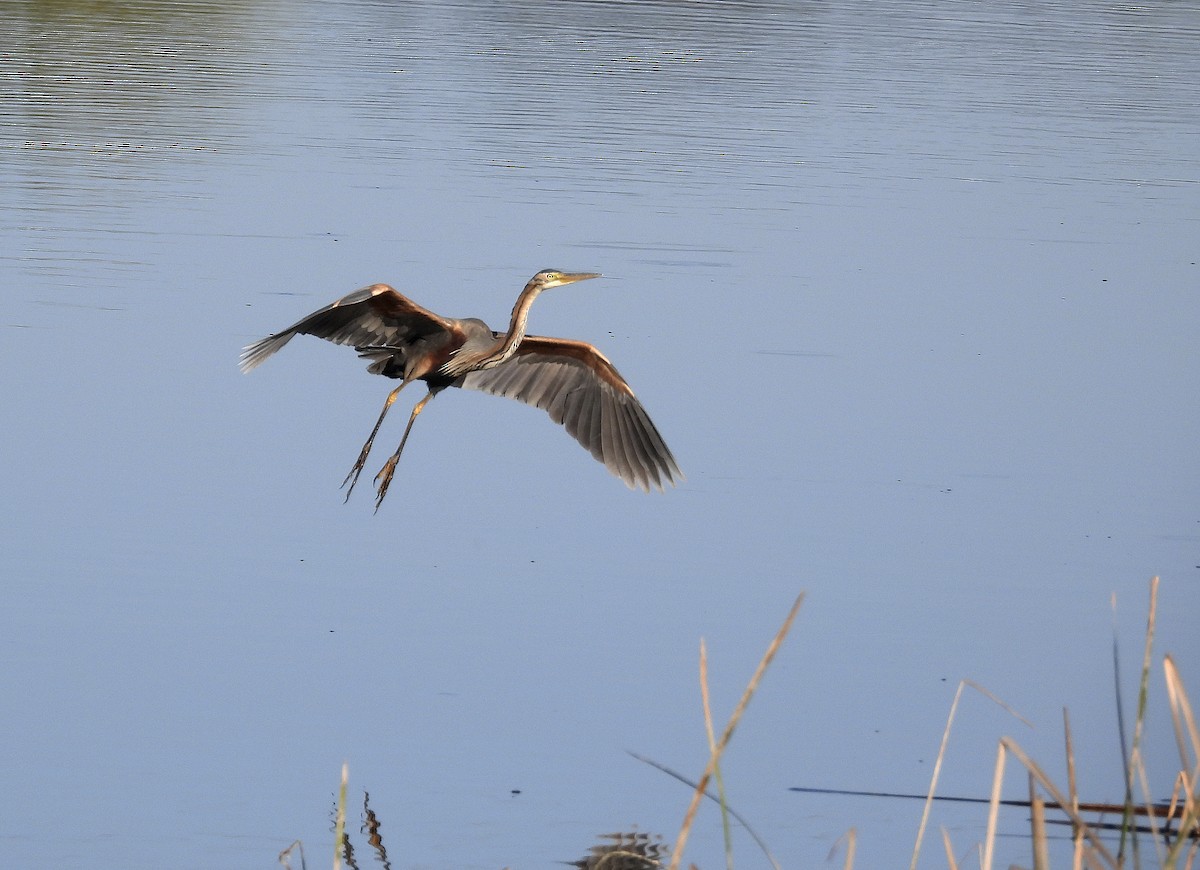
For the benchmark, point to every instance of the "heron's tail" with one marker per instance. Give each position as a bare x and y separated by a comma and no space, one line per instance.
386,361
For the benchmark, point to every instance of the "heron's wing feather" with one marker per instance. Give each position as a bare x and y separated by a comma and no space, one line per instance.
371,317
579,388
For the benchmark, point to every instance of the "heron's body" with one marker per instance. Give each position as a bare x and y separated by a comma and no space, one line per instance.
570,380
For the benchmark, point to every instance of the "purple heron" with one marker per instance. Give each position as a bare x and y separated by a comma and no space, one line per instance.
570,380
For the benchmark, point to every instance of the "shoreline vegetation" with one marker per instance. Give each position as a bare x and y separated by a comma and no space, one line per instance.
1148,833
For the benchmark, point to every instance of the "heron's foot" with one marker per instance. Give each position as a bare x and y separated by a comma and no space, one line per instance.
352,477
384,479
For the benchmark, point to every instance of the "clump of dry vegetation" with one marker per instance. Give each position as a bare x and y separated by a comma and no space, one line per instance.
1172,826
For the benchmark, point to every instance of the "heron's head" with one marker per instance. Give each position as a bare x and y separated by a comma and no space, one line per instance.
548,278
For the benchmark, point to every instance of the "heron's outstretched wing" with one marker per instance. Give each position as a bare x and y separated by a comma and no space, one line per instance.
578,387
373,316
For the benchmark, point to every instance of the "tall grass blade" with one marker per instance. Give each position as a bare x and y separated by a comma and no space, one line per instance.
1182,718
712,745
851,848
937,769
702,786
951,861
1121,733
1188,833
1130,755
1073,793
1156,833
1037,828
989,841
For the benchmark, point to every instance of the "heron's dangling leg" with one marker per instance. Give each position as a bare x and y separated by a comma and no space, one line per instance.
384,477
352,477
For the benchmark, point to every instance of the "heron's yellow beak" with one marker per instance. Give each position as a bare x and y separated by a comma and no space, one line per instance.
571,277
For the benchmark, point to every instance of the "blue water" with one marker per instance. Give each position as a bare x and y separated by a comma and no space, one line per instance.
911,292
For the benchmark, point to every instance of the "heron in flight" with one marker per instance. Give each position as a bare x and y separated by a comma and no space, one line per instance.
570,380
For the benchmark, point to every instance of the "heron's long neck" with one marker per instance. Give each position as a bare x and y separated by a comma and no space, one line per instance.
516,326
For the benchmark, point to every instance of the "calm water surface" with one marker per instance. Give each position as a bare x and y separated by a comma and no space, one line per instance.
911,290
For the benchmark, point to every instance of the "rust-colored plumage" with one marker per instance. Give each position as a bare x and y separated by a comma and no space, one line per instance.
570,380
